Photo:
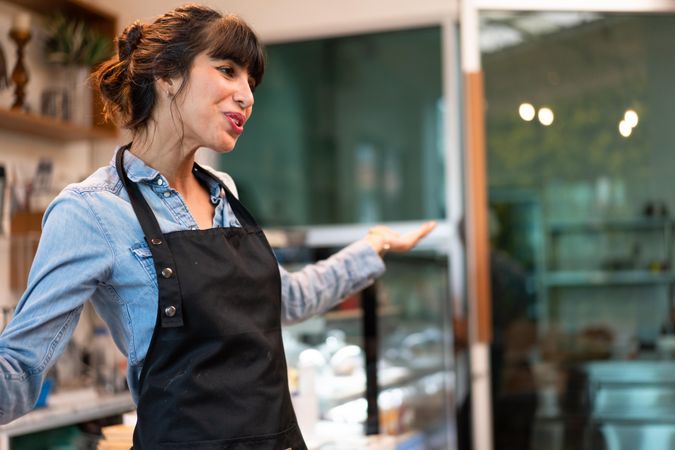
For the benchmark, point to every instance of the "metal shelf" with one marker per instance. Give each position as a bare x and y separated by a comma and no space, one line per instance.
608,225
606,278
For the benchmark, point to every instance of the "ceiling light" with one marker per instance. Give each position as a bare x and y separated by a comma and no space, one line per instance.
545,116
631,118
625,129
526,111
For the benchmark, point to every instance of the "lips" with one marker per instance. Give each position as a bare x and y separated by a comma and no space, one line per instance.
237,121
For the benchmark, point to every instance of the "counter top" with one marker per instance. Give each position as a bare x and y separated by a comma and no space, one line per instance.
67,408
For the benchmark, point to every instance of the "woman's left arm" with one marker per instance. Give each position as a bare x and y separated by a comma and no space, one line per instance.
318,287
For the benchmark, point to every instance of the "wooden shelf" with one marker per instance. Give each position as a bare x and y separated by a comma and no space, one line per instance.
96,17
48,127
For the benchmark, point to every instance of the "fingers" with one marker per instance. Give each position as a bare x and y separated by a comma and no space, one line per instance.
410,240
421,232
395,241
427,228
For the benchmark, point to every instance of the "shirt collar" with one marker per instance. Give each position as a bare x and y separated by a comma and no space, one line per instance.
206,176
135,168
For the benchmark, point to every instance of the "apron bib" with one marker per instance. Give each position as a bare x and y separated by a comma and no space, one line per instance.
215,374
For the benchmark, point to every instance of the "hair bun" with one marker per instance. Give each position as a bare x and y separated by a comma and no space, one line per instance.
129,39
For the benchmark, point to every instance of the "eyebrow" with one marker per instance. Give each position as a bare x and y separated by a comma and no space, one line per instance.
220,60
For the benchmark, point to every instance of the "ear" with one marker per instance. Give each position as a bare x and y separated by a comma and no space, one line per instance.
166,86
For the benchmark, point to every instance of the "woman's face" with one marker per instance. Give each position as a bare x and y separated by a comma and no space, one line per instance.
216,103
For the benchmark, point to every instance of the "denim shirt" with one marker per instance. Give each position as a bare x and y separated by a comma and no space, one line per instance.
92,248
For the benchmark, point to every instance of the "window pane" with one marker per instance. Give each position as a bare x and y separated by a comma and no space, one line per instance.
345,130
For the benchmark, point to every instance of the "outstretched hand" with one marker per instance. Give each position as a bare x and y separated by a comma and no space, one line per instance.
384,239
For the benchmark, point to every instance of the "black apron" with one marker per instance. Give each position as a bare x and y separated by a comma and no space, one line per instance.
215,373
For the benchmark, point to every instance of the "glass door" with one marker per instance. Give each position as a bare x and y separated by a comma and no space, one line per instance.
580,174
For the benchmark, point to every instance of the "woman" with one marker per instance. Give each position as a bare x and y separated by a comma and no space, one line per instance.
171,260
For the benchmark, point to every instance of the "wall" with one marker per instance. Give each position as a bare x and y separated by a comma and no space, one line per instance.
283,20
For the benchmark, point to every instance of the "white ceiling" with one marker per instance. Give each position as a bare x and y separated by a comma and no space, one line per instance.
507,28
281,20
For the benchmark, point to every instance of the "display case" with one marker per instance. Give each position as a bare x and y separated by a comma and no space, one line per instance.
390,342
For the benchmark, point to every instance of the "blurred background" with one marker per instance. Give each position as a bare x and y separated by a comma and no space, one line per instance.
540,313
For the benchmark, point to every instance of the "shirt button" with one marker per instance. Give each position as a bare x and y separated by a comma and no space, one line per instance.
167,194
160,182
170,311
167,272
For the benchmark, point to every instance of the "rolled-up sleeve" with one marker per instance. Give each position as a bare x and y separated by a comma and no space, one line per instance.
318,287
73,257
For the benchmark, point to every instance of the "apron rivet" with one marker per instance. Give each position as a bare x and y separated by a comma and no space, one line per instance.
170,311
167,272
155,241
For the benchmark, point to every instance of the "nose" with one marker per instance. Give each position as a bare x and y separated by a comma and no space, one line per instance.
244,94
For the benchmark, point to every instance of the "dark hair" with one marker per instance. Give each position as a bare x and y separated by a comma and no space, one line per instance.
166,49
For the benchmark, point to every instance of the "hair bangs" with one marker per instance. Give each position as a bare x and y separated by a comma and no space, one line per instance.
231,38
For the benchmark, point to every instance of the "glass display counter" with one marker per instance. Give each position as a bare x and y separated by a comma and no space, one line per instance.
390,342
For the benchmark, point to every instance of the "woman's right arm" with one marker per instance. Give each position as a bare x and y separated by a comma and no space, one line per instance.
73,257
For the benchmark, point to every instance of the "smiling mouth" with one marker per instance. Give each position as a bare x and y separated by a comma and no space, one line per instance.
237,121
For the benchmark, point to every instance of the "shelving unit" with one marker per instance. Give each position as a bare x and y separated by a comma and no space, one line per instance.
71,408
554,231
47,127
553,279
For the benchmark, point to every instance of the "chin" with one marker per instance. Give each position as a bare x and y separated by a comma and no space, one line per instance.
225,147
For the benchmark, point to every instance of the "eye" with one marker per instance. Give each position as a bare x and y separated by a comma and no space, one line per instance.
226,70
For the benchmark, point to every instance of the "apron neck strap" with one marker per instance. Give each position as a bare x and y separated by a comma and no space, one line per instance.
243,216
147,218
161,254
143,211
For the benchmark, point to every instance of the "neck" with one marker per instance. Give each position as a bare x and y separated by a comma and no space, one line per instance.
164,151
